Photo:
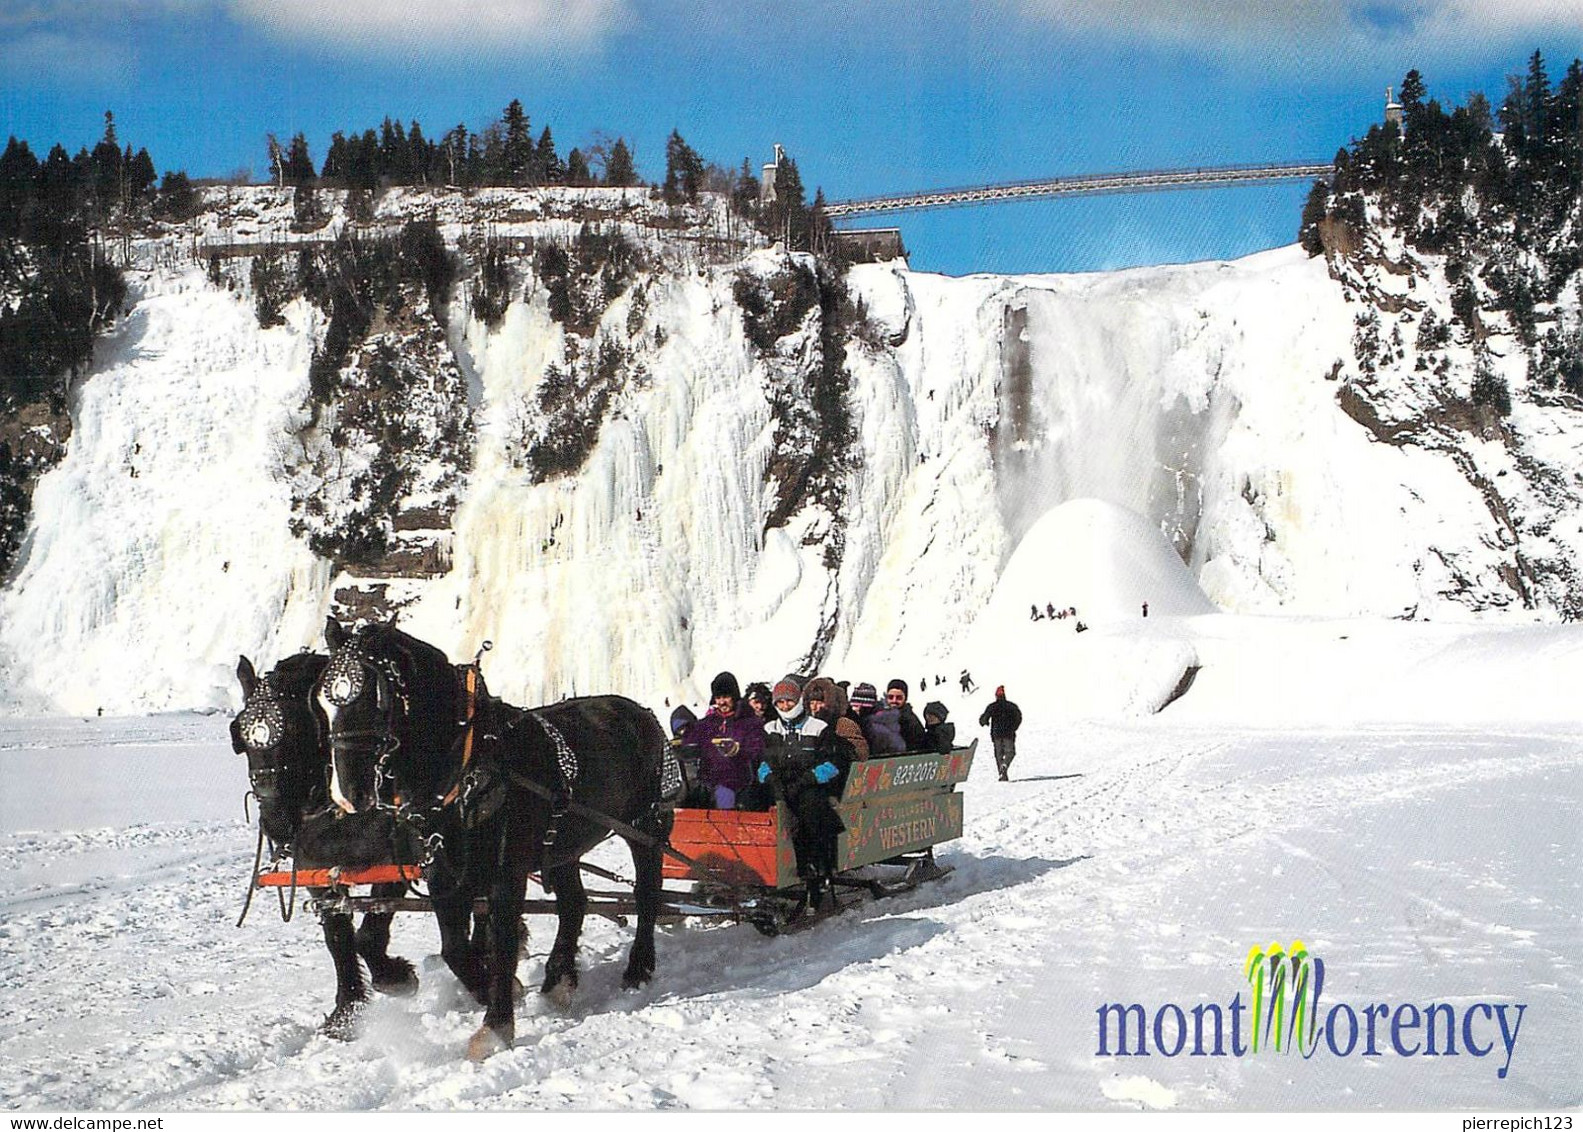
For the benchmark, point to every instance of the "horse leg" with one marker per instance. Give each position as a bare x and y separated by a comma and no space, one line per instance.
391,974
506,898
648,863
454,915
571,903
350,991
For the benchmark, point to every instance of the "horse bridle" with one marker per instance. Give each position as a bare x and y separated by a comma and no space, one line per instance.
260,730
343,684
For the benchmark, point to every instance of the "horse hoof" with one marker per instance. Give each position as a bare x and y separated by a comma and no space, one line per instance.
341,1023
561,992
488,1042
398,983
632,980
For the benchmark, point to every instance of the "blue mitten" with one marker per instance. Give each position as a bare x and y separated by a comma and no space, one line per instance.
764,772
824,772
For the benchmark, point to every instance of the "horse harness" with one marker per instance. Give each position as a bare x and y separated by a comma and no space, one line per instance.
478,791
560,797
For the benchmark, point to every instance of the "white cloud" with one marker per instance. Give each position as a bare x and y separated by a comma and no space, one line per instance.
476,24
44,59
1238,25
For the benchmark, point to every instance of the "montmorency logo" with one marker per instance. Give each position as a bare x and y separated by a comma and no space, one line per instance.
1283,1013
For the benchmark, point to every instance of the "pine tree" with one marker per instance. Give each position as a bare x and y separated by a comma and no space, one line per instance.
788,216
1313,215
18,172
106,162
1412,93
546,165
362,167
577,171
335,160
516,153
1566,131
620,170
745,194
299,162
56,196
1536,105
684,169
178,198
420,155
394,165
140,175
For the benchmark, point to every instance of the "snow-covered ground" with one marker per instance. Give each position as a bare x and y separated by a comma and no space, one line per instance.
1391,802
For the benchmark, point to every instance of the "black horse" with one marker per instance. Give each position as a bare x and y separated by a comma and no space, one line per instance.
508,791
286,741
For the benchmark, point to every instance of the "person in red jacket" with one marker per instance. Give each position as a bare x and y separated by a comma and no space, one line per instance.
1002,717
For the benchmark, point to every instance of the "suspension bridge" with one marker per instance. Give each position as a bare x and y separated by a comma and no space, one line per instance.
1087,184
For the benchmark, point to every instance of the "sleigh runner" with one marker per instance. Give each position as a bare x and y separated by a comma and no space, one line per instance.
741,863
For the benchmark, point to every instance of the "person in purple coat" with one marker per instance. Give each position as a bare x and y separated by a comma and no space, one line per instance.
729,740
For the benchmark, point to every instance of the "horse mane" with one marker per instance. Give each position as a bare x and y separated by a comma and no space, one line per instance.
295,676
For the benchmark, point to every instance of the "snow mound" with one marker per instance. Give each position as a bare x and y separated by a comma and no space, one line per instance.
1103,560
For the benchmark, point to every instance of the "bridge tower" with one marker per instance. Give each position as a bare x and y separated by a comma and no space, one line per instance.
1393,109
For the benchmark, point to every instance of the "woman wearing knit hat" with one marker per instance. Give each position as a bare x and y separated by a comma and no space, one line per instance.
812,778
791,726
729,741
787,728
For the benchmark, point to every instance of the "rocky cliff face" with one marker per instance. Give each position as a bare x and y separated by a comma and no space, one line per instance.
631,446
1437,370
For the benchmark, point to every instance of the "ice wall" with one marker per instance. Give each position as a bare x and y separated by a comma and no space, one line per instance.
159,548
1197,398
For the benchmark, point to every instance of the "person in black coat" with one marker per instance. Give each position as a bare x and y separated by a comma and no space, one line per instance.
1002,717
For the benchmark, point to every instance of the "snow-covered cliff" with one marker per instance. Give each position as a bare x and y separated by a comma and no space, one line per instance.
743,495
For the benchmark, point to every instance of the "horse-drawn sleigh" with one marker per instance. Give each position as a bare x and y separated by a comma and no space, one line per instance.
397,770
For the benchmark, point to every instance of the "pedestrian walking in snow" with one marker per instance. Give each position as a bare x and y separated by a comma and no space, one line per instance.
1002,717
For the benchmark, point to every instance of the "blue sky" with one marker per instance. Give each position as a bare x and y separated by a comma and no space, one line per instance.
869,97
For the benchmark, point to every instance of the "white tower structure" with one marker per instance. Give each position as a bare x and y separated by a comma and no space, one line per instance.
771,169
1393,109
